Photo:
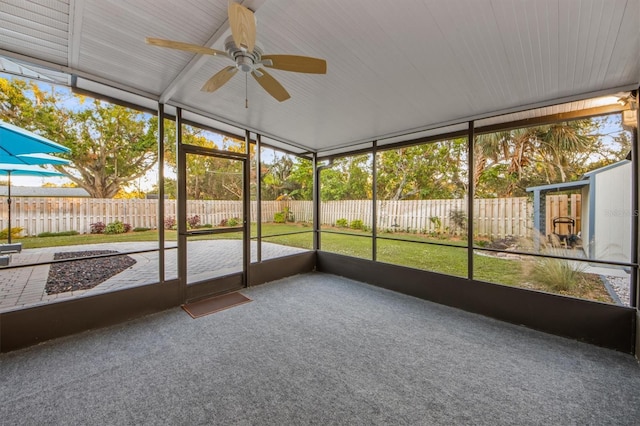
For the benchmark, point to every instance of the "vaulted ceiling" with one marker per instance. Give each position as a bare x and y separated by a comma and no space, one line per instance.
394,67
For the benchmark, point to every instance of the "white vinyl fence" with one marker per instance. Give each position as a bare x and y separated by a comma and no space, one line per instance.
494,218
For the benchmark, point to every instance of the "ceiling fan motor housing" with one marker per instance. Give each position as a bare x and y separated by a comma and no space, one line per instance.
245,61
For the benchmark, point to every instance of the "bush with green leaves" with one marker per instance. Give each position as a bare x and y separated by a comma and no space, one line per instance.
357,224
342,223
234,221
437,224
284,216
459,219
15,232
140,229
288,215
116,227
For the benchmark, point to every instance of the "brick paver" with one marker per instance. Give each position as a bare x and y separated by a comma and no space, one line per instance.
22,287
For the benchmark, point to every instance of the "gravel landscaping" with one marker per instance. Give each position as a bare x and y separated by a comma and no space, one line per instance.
84,274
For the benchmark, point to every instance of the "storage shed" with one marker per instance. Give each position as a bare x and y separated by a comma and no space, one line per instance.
606,210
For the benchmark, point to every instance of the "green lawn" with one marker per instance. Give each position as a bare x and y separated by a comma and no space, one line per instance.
402,250
39,242
429,257
56,241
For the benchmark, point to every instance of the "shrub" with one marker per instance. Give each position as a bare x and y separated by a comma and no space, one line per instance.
234,221
437,224
459,219
342,223
15,232
57,234
97,228
193,221
206,225
481,243
127,227
356,224
169,222
279,217
558,274
284,216
223,222
140,229
116,227
288,215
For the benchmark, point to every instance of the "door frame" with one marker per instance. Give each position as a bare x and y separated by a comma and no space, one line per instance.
215,285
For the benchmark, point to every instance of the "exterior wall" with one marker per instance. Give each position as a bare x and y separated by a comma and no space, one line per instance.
613,214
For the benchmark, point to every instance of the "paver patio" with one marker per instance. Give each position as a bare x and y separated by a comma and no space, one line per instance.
22,287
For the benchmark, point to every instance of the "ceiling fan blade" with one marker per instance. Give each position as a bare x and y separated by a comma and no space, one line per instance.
183,46
295,63
271,85
243,25
219,79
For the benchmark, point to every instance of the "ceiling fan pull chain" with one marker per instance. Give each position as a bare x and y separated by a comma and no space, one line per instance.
246,96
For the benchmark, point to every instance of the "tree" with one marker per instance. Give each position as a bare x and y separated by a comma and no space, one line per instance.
505,163
301,179
276,178
287,176
348,178
110,145
427,171
208,177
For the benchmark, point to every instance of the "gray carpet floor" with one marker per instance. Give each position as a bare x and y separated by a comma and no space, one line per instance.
319,349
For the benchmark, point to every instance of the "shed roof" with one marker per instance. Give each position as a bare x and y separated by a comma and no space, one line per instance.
562,186
608,167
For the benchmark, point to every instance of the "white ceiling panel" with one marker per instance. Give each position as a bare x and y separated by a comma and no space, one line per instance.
35,28
461,127
113,46
394,68
344,151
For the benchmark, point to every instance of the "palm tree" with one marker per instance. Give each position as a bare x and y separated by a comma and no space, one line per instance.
515,148
550,149
558,143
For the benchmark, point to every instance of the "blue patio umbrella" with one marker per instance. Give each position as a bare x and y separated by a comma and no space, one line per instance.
20,151
9,170
32,159
15,140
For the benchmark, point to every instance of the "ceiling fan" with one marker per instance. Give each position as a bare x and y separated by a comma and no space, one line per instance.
241,48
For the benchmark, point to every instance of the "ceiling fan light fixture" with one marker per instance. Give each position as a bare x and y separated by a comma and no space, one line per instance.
244,63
